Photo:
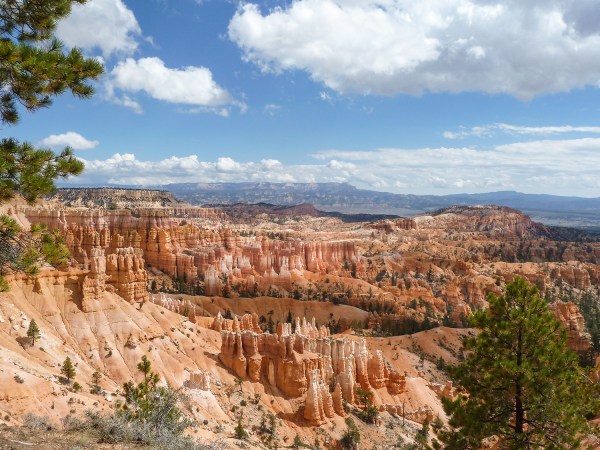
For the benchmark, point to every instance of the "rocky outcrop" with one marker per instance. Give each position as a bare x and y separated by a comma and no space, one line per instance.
180,306
200,380
578,339
168,239
126,272
494,221
305,362
338,400
319,404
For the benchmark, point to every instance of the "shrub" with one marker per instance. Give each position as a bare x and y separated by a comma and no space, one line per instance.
70,423
150,415
239,431
34,422
297,442
351,436
369,414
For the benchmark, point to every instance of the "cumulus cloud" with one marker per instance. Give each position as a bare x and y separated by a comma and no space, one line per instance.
107,25
188,86
71,139
562,167
489,130
388,47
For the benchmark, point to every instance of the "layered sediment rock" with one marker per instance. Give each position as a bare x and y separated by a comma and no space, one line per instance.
569,315
214,254
200,380
305,362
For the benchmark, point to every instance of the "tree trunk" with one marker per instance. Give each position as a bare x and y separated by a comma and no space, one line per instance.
519,413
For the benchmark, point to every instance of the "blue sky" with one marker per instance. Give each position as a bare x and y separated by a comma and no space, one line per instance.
438,96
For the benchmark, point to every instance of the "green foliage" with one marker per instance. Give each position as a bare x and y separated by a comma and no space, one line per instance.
297,442
437,424
22,251
77,387
68,370
145,367
525,386
34,67
151,406
422,437
363,396
96,377
239,431
33,64
369,414
30,171
268,428
351,436
589,305
4,287
33,331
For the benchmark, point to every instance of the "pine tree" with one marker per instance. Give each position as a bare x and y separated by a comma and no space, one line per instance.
22,251
422,436
153,407
145,367
34,67
68,370
525,386
96,377
33,331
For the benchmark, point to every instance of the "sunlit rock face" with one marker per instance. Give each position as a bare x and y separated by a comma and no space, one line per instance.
305,362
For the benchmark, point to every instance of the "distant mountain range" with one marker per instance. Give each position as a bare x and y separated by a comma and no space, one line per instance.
344,198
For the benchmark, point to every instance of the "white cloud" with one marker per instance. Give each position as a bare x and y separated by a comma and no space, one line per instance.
272,109
325,96
388,47
489,130
105,24
71,139
187,86
128,102
562,167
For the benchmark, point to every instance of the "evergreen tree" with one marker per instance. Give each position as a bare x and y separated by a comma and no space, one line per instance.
33,331
351,436
96,377
270,325
34,67
145,367
240,432
67,369
525,386
22,251
422,437
155,407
